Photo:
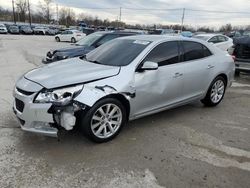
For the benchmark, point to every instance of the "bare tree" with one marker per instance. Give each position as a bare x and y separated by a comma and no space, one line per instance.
22,7
67,17
45,10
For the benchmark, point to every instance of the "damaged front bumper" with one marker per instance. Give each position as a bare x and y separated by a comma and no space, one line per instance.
33,117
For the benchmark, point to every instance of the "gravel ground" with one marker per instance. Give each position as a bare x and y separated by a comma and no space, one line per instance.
190,146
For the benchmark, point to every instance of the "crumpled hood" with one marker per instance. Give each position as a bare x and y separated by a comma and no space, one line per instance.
68,72
72,51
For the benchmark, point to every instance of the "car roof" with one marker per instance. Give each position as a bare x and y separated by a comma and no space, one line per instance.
154,38
209,34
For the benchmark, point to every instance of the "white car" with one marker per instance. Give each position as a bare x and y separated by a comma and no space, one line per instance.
70,36
221,41
40,30
3,29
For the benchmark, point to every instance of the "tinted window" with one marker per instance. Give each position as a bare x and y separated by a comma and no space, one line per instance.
194,50
106,38
118,52
164,54
222,39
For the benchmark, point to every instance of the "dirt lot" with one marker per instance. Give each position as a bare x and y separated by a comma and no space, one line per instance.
191,146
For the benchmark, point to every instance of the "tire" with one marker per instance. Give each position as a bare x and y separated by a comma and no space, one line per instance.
237,73
57,39
93,124
73,40
215,92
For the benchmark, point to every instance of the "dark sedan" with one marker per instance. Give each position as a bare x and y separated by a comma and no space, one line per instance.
25,29
84,46
13,29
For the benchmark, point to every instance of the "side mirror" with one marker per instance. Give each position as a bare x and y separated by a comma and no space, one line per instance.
149,65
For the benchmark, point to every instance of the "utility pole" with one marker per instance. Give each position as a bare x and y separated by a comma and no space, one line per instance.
29,12
182,19
57,18
120,16
14,14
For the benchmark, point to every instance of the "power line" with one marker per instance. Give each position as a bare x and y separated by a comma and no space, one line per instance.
217,11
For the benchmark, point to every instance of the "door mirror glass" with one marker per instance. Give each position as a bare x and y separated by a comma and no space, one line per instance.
149,65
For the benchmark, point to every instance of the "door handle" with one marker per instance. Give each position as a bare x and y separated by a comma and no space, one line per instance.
210,66
177,74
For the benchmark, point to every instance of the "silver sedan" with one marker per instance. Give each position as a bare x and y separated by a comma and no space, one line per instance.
124,79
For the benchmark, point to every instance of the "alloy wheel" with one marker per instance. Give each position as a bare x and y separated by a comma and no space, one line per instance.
217,91
106,120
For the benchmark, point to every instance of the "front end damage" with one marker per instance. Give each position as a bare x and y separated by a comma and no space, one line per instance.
49,112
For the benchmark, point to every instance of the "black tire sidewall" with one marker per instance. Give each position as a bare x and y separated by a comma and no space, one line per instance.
207,100
86,120
73,40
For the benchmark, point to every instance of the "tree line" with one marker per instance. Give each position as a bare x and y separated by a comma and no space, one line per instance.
67,17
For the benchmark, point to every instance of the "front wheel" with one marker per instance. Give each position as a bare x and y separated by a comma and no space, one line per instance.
215,92
104,120
73,40
57,39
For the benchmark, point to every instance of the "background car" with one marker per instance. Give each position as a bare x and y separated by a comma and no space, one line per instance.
186,34
13,29
221,41
70,36
241,51
39,30
3,29
25,29
52,31
84,46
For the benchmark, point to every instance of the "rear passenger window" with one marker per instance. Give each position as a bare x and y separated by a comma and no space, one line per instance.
194,50
164,54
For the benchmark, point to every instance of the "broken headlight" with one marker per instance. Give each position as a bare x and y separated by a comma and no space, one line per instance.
61,96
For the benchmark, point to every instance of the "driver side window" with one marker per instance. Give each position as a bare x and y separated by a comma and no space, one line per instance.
164,54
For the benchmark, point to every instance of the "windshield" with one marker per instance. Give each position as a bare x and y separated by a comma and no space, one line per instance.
205,38
112,53
246,33
90,39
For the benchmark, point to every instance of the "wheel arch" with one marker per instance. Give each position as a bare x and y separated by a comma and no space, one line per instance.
120,97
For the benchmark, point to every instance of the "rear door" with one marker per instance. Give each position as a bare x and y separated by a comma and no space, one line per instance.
197,68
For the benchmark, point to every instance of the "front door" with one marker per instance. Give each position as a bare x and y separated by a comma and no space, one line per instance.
156,89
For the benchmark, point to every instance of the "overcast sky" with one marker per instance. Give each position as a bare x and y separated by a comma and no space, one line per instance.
159,16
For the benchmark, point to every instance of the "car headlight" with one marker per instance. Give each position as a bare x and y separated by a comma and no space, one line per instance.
61,96
65,57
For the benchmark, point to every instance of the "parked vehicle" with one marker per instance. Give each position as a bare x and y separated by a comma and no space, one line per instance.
87,31
241,51
70,36
187,34
52,31
101,28
25,29
39,30
124,79
3,29
234,34
221,41
161,32
13,29
84,46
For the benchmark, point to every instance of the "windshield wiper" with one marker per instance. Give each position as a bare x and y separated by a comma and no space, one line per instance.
96,62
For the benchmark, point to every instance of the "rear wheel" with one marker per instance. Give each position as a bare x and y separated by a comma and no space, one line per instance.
73,40
215,92
104,120
57,39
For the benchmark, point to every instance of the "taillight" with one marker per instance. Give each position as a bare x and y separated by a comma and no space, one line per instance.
78,35
233,56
